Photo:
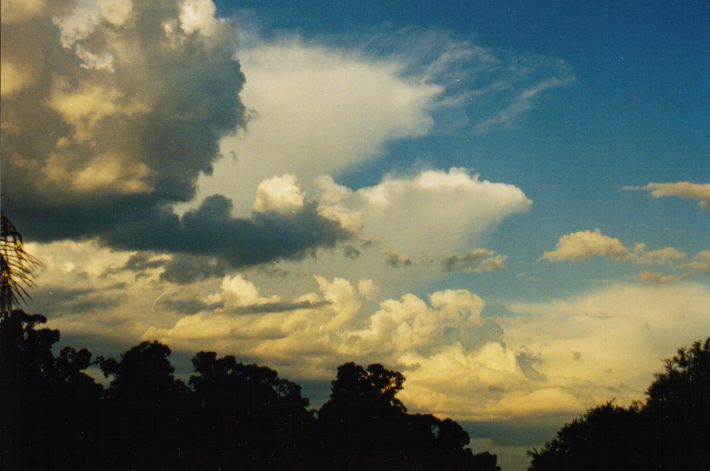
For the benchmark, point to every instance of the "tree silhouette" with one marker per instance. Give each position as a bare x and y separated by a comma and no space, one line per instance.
48,407
678,409
364,426
148,409
255,417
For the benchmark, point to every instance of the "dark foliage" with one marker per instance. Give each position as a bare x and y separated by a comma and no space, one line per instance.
230,415
670,431
50,410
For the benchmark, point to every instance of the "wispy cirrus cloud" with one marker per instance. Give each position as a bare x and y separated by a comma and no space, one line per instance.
524,101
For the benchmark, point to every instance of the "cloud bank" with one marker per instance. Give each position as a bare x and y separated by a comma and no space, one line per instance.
460,359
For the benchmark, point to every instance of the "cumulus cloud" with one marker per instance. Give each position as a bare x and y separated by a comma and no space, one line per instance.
476,261
210,230
279,195
111,110
699,192
584,245
555,357
406,214
396,227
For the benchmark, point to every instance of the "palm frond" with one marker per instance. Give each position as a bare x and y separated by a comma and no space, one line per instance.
17,266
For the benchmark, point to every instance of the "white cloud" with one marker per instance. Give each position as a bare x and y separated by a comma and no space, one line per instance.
280,195
237,291
686,190
584,245
317,110
406,214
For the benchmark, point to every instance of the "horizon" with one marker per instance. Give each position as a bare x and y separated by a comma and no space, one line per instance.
507,203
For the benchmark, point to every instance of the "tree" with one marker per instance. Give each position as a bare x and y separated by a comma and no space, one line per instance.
150,410
49,406
252,416
678,409
365,426
359,393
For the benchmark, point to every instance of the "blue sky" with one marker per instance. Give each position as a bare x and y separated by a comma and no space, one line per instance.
506,201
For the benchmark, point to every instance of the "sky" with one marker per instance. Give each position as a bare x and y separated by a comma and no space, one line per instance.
508,202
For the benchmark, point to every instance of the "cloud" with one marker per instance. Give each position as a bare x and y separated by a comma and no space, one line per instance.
685,190
325,108
317,110
111,110
395,227
660,278
124,110
396,260
524,101
279,195
584,245
211,231
476,261
618,334
700,263
405,214
554,357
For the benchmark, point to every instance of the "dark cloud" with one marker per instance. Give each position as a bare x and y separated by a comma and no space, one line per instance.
110,120
142,261
278,307
396,260
70,301
476,261
188,306
183,269
211,231
192,306
527,363
351,251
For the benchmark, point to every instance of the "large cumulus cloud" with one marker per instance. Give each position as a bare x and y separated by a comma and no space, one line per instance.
111,110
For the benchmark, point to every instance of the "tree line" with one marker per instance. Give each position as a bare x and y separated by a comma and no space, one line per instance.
229,415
